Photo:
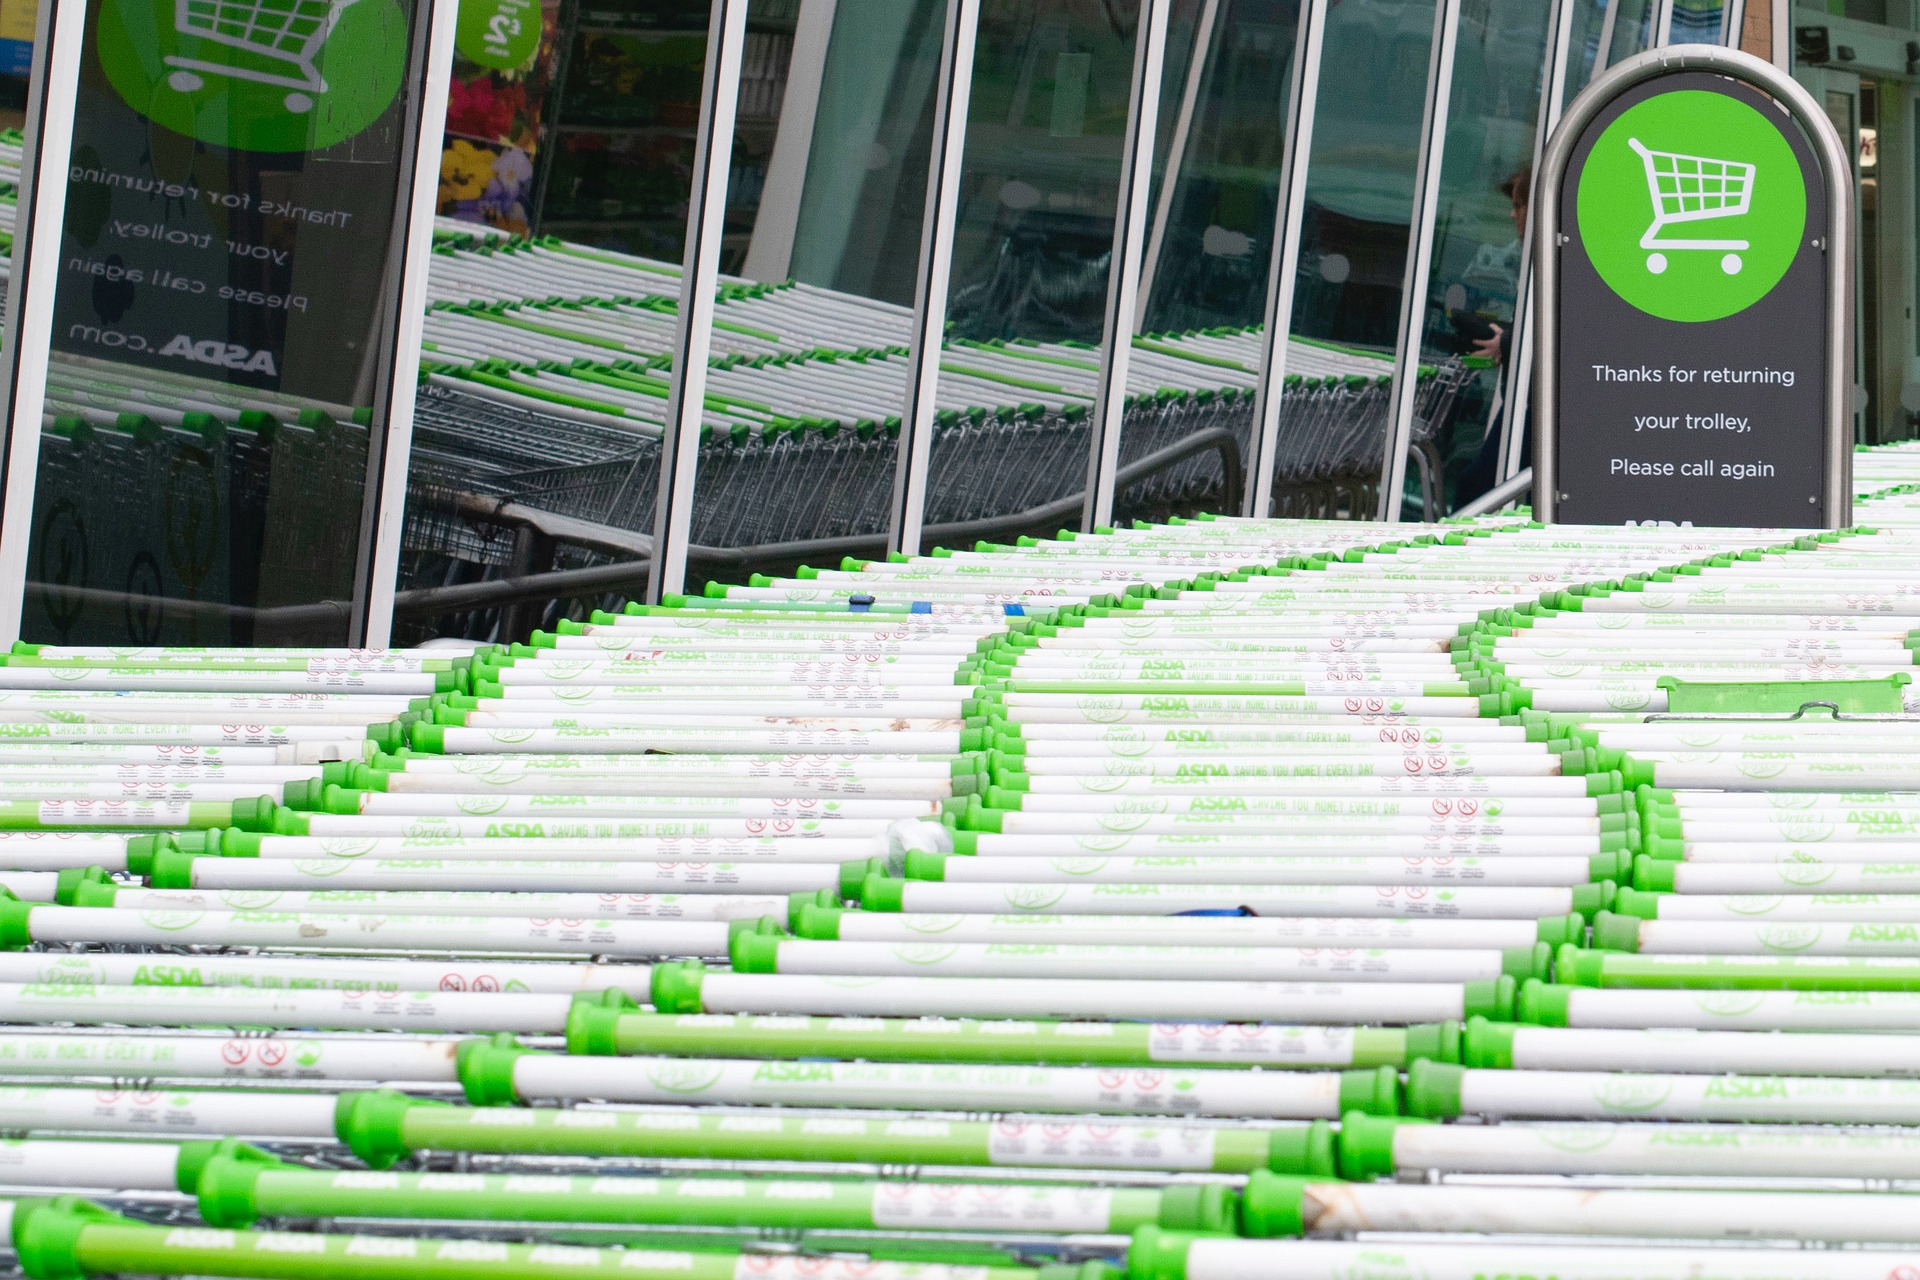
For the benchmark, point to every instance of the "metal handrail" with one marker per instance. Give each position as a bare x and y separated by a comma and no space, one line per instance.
1499,496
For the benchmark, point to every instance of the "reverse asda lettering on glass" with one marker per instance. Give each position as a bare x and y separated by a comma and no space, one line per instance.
230,189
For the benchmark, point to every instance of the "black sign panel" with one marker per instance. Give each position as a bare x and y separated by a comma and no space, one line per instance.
1692,313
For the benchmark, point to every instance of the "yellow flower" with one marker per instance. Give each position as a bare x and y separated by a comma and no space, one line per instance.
464,171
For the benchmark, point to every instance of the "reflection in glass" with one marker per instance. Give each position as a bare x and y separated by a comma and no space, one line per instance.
1217,239
1697,22
1484,193
537,445
1050,86
1197,354
806,389
608,108
1354,238
1038,196
1584,60
857,227
218,335
1607,32
1632,29
10,144
17,58
181,509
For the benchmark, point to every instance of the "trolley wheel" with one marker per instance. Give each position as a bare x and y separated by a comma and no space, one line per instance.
299,103
1656,262
1731,264
184,81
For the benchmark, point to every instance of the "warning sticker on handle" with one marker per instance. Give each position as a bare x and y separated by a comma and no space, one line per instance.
1108,1146
990,1208
1225,1042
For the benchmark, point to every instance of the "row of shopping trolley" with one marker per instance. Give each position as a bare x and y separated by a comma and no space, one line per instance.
176,508
1201,900
544,387
546,382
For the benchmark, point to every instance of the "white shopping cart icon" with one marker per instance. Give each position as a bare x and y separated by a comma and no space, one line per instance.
1693,189
291,32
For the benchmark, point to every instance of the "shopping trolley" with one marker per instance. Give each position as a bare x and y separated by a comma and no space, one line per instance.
1693,189
286,31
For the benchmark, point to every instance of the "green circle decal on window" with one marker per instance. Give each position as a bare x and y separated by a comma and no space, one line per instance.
1692,205
256,75
500,35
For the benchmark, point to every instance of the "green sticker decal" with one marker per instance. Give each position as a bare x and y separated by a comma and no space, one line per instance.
1692,205
256,75
500,35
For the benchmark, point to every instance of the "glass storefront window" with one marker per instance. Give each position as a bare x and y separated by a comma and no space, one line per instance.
1197,349
1354,236
538,444
222,327
1468,326
1853,56
808,376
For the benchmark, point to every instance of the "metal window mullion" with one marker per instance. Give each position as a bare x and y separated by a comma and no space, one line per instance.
1780,38
371,619
699,278
1603,50
1413,297
1660,32
52,95
914,449
1176,152
1123,274
551,115
776,223
1733,17
1283,270
1517,376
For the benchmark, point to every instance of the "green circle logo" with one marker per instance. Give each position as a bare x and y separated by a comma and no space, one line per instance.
1692,205
500,35
256,75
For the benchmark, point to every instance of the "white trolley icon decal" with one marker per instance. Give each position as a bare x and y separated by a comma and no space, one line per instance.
1690,189
289,32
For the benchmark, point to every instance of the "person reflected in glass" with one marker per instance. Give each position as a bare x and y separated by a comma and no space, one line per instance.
1500,267
1493,274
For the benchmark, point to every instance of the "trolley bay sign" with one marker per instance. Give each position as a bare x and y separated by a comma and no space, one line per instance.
1695,353
230,289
